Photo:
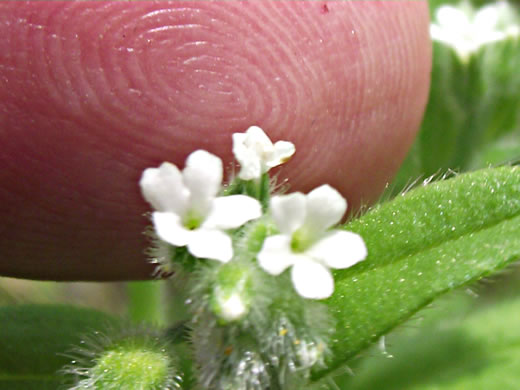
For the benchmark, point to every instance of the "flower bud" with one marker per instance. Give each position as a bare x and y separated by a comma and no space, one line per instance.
231,295
134,360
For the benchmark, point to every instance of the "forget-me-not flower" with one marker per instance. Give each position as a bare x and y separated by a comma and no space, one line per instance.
257,154
188,211
305,242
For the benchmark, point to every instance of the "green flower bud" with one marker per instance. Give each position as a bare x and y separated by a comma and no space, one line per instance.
231,296
132,360
131,367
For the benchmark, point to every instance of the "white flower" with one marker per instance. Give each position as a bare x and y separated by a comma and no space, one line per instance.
256,153
306,244
188,213
466,31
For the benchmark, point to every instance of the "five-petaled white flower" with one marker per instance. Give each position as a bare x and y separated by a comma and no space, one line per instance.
466,30
256,153
188,213
306,244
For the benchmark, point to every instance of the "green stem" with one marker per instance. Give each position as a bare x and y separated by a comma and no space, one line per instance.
145,302
265,191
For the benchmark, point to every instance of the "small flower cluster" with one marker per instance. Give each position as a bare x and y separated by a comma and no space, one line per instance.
190,213
250,330
466,30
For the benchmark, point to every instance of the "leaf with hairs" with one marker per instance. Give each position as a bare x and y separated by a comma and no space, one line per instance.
420,245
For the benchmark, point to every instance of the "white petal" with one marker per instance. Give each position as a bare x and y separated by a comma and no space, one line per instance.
288,211
163,188
486,18
250,165
325,208
258,140
248,149
452,18
276,255
229,212
203,177
437,33
250,168
339,249
211,244
169,228
239,140
283,151
312,280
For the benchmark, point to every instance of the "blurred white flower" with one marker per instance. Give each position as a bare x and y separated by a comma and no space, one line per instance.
306,244
256,153
466,30
188,213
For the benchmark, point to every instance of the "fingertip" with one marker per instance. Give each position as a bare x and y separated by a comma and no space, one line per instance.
93,93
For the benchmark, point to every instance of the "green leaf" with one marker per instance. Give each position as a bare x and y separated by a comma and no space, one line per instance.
479,352
421,245
34,339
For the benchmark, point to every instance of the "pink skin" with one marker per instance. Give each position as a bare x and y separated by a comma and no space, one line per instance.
92,93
